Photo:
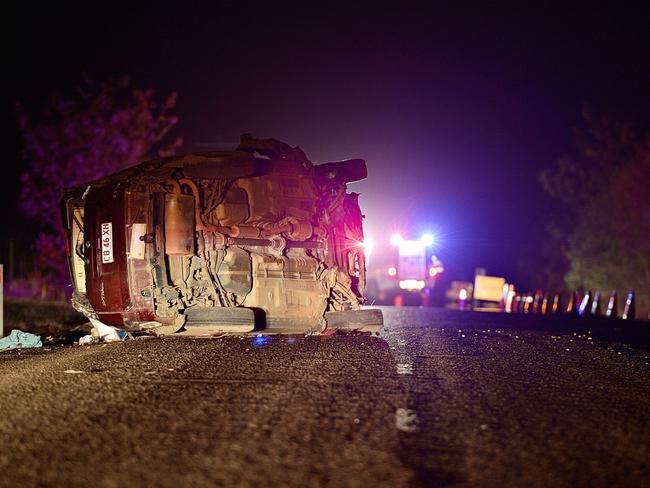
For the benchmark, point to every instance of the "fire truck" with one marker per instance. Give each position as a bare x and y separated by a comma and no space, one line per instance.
409,274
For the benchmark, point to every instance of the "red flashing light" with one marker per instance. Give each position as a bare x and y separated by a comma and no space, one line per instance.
392,271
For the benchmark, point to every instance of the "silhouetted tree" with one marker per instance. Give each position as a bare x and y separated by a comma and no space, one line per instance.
604,231
97,131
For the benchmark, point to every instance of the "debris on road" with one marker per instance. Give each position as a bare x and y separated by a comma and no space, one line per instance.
406,420
107,333
19,339
73,371
87,340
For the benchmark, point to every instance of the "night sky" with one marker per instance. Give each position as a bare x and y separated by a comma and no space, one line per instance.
455,112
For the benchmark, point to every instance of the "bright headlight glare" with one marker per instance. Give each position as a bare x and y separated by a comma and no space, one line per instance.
427,239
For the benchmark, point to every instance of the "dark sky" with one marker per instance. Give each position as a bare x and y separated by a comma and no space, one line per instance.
455,111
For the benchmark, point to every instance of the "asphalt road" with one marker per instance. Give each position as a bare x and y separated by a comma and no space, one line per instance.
440,399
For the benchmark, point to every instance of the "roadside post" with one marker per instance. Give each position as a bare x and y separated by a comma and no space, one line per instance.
2,312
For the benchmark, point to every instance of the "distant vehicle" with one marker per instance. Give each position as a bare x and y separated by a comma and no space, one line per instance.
411,274
488,293
459,295
258,237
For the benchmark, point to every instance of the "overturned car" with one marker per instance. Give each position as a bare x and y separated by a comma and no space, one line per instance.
233,241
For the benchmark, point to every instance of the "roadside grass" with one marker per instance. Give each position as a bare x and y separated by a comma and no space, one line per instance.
43,317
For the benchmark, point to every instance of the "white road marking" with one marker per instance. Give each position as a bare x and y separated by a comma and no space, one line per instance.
405,368
406,420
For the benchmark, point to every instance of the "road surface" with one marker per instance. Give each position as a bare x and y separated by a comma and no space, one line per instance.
439,399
